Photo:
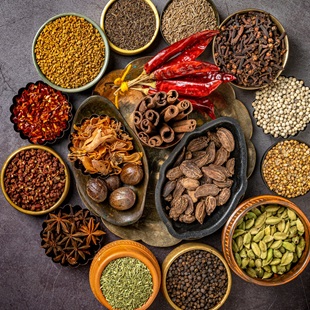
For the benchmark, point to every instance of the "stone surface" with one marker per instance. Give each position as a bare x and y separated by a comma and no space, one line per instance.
29,279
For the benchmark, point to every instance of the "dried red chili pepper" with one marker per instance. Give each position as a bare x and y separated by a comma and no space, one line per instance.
165,54
210,76
187,88
182,69
41,113
204,106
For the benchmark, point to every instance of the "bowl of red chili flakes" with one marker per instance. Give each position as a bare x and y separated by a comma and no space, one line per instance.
40,113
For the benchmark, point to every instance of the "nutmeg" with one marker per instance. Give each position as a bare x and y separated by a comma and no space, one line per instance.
113,182
131,174
96,189
122,198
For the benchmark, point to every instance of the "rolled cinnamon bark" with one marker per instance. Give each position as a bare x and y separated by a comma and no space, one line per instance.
137,119
144,137
155,141
166,133
146,103
185,107
160,99
172,96
186,125
152,116
147,126
169,112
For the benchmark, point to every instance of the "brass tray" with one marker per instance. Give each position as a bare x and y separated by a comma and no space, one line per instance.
150,229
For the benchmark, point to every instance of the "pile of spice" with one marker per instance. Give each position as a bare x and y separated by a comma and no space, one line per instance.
34,179
70,51
71,235
282,109
126,283
130,25
182,18
41,113
251,47
286,169
268,241
197,280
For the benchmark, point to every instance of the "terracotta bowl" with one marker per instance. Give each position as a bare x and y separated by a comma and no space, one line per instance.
232,223
121,249
188,247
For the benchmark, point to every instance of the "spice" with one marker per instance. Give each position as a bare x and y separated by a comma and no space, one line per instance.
282,109
70,51
41,113
286,168
268,241
126,283
251,47
197,280
34,179
130,25
182,18
71,235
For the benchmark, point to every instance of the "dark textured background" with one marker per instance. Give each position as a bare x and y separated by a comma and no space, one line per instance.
29,279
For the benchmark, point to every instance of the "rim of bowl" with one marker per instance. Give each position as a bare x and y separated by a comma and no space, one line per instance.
127,249
140,49
263,159
67,183
217,16
106,55
187,247
281,29
231,225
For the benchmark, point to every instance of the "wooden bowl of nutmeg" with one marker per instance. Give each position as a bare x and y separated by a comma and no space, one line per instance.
203,180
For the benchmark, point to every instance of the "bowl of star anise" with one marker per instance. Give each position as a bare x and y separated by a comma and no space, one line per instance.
71,235
203,179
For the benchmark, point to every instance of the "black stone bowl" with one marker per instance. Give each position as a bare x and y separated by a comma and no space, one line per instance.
220,215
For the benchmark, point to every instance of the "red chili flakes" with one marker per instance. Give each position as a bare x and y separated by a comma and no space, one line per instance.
41,113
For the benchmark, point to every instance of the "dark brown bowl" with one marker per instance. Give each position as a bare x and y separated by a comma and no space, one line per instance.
28,137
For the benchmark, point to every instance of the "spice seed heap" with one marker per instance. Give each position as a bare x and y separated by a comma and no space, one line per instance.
70,51
283,109
197,280
130,25
126,283
286,168
183,18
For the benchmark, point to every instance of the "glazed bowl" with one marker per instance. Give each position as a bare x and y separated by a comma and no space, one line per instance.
219,216
136,50
224,61
78,232
51,113
123,249
177,254
186,27
7,184
71,52
229,247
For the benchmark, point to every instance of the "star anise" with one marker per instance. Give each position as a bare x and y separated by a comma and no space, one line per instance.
51,243
59,220
77,250
70,236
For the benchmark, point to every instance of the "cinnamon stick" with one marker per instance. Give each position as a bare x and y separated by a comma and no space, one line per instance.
166,133
187,125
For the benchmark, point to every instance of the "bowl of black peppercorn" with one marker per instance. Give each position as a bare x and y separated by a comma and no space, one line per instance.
204,273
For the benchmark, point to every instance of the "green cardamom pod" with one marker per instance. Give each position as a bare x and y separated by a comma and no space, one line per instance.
257,211
300,227
275,261
243,253
295,240
239,241
249,223
268,238
302,243
288,267
238,232
258,262
240,222
293,223
256,249
281,226
287,258
267,275
251,272
274,268
273,229
281,210
259,272
251,215
235,246
242,225
289,246
277,253
267,230
284,214
292,232
281,269
295,259
260,221
251,254
282,249
276,244
259,236
299,251
263,246
272,208
244,262
279,236
252,263
254,230
247,238
291,214
263,254
267,268
238,259
247,246
273,220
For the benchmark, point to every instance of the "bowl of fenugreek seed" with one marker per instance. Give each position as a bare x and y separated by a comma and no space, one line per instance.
70,52
266,240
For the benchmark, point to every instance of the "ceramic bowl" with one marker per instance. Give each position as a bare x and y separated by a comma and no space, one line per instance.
121,249
191,7
127,52
232,223
222,65
88,84
74,219
176,253
21,103
220,215
3,180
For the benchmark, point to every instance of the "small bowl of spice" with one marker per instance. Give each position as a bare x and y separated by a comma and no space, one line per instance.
130,26
35,180
125,275
41,113
285,168
70,52
183,18
266,240
253,46
204,273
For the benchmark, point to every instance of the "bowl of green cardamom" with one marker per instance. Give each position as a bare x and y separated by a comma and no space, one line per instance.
70,52
266,240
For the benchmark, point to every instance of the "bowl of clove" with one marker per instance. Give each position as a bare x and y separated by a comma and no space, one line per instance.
253,46
203,180
266,240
